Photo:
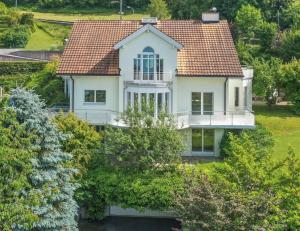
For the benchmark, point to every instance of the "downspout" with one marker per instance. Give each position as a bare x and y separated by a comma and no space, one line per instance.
225,95
73,94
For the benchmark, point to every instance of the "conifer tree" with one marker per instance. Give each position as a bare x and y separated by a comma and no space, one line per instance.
51,179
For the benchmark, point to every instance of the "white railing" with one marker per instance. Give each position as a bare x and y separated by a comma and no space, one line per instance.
152,77
237,119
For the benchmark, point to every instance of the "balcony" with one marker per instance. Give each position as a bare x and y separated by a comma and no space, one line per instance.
237,119
149,77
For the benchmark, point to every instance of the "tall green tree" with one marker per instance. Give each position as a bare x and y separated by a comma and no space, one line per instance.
290,81
147,143
15,169
266,81
290,45
159,9
50,178
248,19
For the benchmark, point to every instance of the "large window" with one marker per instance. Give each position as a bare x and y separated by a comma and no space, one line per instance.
246,97
202,103
148,65
94,96
203,140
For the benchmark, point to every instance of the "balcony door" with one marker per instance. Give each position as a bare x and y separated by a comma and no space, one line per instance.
148,65
202,103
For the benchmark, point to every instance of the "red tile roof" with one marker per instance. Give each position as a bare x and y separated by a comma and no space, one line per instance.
208,48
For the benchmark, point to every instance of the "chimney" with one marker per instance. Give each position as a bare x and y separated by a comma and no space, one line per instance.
211,16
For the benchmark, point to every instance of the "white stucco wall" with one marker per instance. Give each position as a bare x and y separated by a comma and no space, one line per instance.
185,86
109,84
130,51
231,84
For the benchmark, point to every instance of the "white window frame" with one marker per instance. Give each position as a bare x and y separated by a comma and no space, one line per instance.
202,102
95,96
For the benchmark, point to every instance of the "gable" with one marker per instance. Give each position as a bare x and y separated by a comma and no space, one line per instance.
146,29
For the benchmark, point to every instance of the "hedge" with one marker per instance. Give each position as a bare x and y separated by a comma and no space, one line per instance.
20,67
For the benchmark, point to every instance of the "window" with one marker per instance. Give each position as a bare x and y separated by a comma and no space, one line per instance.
89,96
206,99
245,97
196,103
148,65
208,104
94,96
236,96
203,140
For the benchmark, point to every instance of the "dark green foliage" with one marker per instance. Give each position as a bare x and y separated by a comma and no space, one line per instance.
48,85
266,33
15,168
16,37
290,45
290,81
27,19
23,67
139,190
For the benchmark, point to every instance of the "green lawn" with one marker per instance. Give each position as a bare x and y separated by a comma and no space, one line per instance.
40,40
47,36
70,17
284,125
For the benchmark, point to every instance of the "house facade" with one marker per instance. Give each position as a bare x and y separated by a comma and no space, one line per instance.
187,68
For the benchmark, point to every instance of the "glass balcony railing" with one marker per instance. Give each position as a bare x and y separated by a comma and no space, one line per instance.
149,76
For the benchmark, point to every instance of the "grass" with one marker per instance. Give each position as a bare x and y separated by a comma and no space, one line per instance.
71,16
283,124
47,36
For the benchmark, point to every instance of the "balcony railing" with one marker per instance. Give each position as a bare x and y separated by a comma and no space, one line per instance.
149,77
218,119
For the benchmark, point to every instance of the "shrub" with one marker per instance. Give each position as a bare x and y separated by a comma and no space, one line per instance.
23,67
3,9
140,190
27,19
16,37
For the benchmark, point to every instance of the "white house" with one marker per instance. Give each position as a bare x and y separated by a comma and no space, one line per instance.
189,68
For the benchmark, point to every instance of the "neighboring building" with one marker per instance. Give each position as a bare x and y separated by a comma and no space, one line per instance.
189,68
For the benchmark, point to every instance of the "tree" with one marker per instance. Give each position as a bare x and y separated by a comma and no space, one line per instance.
248,18
50,178
290,45
82,141
266,33
3,9
147,143
16,37
248,192
46,84
15,168
266,81
159,9
290,80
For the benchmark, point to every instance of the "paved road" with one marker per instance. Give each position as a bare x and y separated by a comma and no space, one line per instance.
129,224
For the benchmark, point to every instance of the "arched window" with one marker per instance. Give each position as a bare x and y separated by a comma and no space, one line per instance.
148,50
148,65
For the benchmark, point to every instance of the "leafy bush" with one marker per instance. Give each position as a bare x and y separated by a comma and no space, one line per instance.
27,19
83,141
260,137
147,143
23,67
16,37
3,9
48,85
139,190
159,9
249,191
